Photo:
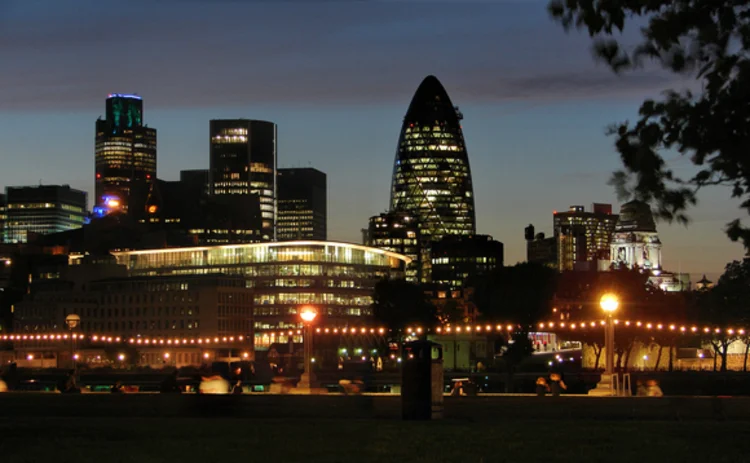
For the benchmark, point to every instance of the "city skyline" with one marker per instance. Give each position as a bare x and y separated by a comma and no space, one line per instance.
534,122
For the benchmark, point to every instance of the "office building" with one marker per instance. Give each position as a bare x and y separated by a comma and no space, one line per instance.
583,237
397,232
456,260
302,205
125,157
337,278
154,320
41,210
243,163
189,216
99,291
540,249
3,217
431,174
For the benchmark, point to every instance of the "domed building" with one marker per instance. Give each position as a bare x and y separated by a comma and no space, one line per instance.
635,242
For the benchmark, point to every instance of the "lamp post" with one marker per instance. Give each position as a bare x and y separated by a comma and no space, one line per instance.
609,304
308,315
72,321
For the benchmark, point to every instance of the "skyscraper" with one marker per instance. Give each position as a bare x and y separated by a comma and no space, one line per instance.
431,174
3,217
583,238
125,157
40,210
302,205
243,162
397,232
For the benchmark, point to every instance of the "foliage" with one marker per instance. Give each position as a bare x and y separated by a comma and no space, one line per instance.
398,304
705,40
518,349
521,293
452,312
725,305
578,294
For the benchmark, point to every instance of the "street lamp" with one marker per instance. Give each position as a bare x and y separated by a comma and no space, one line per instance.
72,321
609,304
308,315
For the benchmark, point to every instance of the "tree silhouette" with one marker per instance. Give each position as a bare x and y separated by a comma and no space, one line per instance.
452,312
705,40
725,305
521,293
577,298
518,349
399,303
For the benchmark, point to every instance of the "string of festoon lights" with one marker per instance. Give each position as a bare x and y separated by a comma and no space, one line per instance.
412,330
99,339
693,329
58,337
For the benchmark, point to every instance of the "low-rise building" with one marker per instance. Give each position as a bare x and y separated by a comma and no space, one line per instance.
337,278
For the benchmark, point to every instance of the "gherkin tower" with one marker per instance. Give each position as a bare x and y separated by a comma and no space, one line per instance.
431,174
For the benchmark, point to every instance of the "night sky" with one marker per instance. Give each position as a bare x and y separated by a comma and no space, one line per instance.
337,77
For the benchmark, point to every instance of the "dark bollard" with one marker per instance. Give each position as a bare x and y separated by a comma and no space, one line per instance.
422,381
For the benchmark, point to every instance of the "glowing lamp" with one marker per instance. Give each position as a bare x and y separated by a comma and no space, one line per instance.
113,203
72,321
609,303
308,314
152,209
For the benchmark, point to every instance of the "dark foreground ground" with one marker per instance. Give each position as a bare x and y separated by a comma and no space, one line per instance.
146,440
111,429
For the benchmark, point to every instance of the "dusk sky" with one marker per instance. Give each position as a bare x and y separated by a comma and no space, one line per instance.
337,78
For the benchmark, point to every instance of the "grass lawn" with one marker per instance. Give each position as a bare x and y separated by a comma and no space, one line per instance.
145,440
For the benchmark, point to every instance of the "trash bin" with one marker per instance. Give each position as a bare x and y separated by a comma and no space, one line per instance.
422,381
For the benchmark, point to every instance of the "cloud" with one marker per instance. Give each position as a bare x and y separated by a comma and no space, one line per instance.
240,53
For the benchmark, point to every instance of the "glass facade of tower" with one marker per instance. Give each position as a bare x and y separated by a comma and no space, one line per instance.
431,175
302,205
125,156
583,236
397,232
42,210
3,217
243,162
